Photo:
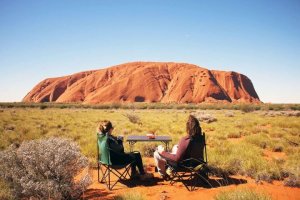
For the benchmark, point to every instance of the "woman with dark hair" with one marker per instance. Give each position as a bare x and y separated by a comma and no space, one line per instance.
190,146
117,154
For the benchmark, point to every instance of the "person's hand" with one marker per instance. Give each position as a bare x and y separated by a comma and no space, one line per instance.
160,149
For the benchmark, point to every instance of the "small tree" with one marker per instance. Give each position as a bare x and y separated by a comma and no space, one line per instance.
45,169
133,118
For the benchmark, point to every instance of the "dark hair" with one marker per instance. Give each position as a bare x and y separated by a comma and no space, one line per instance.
104,126
193,128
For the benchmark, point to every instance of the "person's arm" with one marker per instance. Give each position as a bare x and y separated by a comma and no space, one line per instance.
114,145
182,146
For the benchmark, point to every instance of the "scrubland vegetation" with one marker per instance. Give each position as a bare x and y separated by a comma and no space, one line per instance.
189,106
44,169
242,194
260,141
130,196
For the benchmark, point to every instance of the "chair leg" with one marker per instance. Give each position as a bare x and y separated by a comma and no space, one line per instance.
106,178
179,177
104,174
98,172
190,178
121,176
109,179
204,179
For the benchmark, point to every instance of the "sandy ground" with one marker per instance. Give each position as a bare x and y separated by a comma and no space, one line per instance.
158,189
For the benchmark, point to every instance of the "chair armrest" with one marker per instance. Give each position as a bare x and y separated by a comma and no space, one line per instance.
191,162
200,161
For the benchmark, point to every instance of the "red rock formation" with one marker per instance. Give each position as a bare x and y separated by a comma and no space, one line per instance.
146,82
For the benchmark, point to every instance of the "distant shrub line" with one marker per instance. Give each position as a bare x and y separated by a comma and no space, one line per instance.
191,106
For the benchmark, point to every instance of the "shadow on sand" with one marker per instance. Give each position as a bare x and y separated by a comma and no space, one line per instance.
214,182
97,194
150,182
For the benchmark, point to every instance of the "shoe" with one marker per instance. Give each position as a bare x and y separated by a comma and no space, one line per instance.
146,176
165,177
169,172
134,176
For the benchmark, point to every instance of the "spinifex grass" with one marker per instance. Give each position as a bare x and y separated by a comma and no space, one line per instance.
242,194
130,196
235,142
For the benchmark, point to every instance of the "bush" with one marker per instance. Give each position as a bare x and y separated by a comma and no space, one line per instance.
204,117
292,181
42,107
44,169
234,135
247,108
229,114
133,118
242,194
292,167
277,148
148,150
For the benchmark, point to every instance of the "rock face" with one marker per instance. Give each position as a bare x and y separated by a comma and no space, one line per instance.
146,82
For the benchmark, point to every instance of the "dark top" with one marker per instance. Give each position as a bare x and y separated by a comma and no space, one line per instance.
116,150
187,148
115,144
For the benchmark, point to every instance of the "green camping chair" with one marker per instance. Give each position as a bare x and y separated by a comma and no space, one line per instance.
190,171
122,172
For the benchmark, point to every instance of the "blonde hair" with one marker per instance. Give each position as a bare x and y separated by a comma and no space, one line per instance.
104,126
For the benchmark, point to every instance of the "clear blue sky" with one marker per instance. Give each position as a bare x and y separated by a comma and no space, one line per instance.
259,38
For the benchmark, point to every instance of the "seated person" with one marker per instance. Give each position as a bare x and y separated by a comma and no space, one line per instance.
190,146
117,154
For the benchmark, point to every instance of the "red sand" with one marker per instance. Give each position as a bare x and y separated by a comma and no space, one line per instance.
270,155
160,189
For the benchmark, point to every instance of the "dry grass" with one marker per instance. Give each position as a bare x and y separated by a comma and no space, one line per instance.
254,132
242,194
130,196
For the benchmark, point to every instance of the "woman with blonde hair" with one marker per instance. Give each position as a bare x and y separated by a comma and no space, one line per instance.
117,154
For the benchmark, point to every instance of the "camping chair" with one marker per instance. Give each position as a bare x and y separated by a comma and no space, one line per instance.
191,170
120,171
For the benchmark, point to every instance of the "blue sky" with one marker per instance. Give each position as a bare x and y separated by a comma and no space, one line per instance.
259,38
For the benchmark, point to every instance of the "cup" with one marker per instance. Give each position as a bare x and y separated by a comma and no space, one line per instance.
150,135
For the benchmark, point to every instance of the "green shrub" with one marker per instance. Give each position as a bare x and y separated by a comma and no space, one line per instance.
42,107
260,140
247,108
292,167
244,159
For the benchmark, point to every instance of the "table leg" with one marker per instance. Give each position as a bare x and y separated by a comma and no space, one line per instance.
131,143
166,145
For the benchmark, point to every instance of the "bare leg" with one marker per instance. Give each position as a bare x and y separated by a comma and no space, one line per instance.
160,163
